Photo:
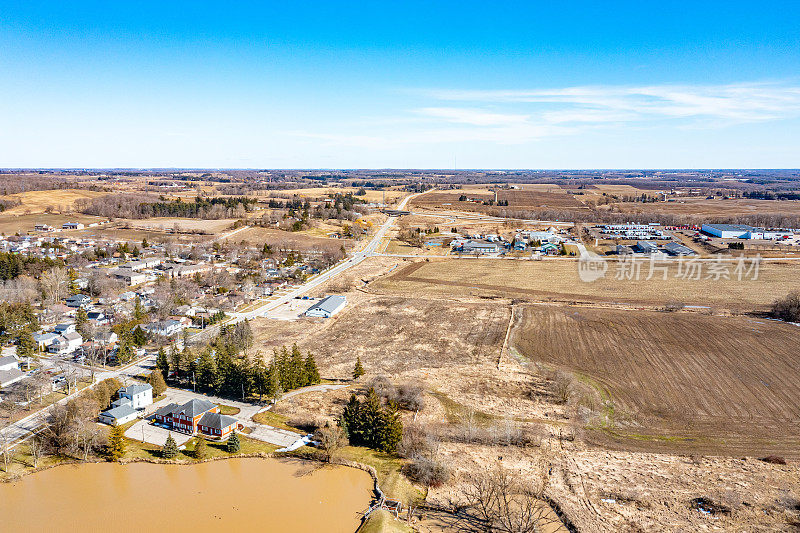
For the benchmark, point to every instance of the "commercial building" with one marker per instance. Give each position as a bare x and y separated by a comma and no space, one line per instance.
327,307
729,231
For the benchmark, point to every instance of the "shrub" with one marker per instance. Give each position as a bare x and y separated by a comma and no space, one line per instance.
427,471
787,308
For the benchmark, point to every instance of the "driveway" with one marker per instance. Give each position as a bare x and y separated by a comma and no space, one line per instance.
279,437
147,432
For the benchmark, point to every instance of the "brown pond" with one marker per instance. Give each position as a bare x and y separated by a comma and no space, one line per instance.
247,495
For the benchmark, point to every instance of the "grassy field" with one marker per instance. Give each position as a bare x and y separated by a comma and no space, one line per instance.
558,280
11,223
59,200
676,380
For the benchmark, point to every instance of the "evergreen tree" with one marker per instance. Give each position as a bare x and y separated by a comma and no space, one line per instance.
233,445
26,344
206,372
368,423
156,380
311,370
116,443
261,378
170,448
276,388
175,360
138,309
162,363
389,429
350,421
296,369
145,244
82,322
200,448
358,370
139,337
73,277
125,350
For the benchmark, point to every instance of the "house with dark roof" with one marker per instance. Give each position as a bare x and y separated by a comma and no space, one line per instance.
186,417
217,425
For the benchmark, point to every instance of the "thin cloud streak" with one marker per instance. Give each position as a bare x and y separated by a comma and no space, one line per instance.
740,102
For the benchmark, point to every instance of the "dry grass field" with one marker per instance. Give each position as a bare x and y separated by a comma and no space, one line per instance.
729,385
183,224
558,281
11,223
555,197
57,201
286,239
701,207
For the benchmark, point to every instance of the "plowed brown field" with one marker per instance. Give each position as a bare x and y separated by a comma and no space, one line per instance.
677,381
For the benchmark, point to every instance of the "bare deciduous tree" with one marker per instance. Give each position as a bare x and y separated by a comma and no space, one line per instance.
55,284
331,438
503,503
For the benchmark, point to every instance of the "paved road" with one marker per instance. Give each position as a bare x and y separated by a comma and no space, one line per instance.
367,251
25,428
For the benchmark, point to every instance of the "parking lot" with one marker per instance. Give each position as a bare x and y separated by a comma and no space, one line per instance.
292,310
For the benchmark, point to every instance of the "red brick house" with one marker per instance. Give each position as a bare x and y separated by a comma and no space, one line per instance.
197,416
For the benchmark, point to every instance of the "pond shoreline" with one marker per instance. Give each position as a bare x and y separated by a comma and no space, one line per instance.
274,492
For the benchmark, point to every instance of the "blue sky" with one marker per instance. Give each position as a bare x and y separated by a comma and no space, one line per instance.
400,84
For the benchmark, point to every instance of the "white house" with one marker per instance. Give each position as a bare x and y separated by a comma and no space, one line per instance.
9,370
163,328
66,344
44,340
64,328
72,225
119,414
140,396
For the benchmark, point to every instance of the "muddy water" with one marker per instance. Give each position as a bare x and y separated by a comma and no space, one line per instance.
246,495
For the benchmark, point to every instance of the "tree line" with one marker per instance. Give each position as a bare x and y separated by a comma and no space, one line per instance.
225,369
138,206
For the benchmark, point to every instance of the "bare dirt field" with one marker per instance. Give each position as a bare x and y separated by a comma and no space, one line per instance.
59,200
676,381
557,280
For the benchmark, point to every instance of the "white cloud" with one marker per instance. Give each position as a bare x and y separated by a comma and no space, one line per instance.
738,102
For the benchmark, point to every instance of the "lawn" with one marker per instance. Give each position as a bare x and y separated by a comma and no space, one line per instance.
268,418
393,483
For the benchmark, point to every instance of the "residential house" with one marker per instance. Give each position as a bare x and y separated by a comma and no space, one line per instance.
163,328
66,344
129,276
121,413
44,340
98,317
78,300
72,225
186,417
65,328
9,371
140,396
217,425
